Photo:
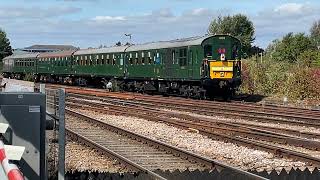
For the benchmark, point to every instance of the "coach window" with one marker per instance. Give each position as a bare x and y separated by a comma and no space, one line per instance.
158,58
173,56
149,58
97,60
208,51
60,61
137,59
142,58
130,59
114,59
90,60
108,59
191,58
183,57
196,60
102,59
67,61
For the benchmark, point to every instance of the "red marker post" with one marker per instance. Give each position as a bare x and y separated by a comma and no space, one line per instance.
11,170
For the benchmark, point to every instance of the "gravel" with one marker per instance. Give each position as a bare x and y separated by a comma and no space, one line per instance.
80,158
242,157
277,125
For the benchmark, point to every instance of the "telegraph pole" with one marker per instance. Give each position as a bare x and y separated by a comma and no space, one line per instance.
130,36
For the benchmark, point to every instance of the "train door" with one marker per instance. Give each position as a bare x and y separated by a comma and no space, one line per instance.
190,64
168,63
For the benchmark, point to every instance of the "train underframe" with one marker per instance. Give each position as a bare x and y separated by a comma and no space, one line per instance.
199,89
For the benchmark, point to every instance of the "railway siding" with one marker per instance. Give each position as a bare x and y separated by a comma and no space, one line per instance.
180,160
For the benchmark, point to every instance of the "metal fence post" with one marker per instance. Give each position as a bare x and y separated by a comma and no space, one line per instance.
61,136
42,88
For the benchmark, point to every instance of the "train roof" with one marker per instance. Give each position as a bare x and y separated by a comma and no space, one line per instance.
56,54
22,56
168,44
114,49
173,43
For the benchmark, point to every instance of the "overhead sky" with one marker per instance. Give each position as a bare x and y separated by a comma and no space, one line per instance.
90,23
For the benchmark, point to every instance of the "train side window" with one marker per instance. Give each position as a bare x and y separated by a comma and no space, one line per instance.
149,58
196,60
173,56
208,51
191,58
108,59
114,59
136,59
183,57
102,59
157,58
97,60
142,58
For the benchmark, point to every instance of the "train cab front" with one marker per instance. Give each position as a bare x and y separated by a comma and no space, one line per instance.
221,67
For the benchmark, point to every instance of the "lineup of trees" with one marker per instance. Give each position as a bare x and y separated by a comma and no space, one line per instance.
5,48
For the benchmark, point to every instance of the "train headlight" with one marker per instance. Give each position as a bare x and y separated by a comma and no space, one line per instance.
223,57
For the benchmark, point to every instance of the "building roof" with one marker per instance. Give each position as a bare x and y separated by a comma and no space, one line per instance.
51,47
114,49
56,54
22,56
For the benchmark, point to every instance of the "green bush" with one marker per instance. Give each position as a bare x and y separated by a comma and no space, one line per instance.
297,81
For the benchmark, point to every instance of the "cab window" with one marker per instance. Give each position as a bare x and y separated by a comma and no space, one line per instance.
208,51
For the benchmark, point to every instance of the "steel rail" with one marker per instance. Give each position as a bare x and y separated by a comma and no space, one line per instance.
174,150
75,136
220,136
201,110
229,105
237,130
238,124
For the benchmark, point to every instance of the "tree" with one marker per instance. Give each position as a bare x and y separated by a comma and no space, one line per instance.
290,47
315,33
238,25
5,48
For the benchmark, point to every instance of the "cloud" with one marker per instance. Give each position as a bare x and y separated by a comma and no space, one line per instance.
36,12
290,8
108,18
273,23
40,25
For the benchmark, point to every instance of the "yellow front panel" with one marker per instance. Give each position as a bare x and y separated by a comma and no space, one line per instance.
221,69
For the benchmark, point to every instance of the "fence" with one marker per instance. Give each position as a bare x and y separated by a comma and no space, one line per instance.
55,105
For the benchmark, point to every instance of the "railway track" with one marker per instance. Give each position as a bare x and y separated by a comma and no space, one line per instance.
185,107
232,133
138,152
244,110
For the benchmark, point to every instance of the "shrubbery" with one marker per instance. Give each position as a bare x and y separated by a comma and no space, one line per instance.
291,68
295,81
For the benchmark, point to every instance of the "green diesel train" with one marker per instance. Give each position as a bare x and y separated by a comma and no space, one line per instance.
194,67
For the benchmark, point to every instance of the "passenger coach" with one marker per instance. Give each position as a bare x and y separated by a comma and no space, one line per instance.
197,66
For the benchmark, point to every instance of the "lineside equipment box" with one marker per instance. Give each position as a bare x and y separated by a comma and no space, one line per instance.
26,115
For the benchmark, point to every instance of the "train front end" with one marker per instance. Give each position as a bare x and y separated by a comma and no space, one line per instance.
221,67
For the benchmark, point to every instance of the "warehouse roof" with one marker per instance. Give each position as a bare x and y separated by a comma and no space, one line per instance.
22,56
48,48
56,54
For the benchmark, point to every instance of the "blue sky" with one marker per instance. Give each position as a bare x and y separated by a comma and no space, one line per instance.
90,23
